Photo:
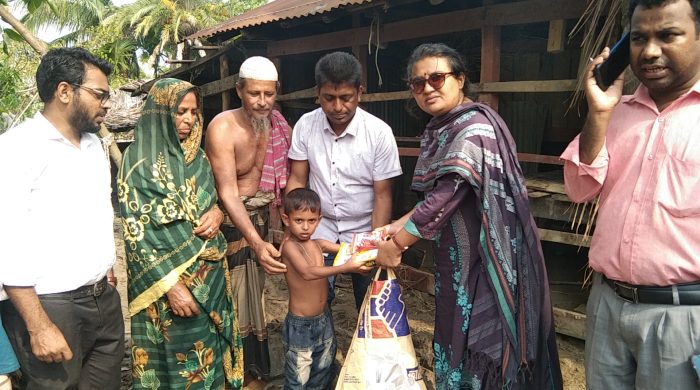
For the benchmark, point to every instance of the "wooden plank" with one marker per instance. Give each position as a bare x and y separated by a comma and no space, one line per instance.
522,157
521,12
564,238
492,87
490,60
219,86
145,87
415,140
539,158
556,40
545,206
205,47
545,185
570,323
223,73
409,152
529,86
309,93
386,96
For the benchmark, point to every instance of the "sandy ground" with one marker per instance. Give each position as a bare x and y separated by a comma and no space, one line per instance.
421,316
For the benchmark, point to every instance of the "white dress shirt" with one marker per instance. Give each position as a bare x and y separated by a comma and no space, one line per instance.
343,169
56,232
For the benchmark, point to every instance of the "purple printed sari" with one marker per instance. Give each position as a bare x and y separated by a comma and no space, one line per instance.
493,326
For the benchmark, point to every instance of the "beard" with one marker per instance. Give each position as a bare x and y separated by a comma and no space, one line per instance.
260,125
81,120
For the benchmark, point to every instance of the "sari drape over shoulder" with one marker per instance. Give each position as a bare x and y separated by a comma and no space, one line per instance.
496,328
164,187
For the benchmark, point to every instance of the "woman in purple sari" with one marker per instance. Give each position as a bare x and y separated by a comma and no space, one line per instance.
493,318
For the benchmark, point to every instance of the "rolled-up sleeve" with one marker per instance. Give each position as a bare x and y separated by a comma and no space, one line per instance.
583,181
439,205
386,159
298,150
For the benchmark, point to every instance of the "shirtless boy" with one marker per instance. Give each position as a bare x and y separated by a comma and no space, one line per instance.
308,335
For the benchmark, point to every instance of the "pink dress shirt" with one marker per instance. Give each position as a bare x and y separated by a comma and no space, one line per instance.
648,177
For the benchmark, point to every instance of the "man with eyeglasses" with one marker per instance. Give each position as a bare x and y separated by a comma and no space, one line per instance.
63,317
348,156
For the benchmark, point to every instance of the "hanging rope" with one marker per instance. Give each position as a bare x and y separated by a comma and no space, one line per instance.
369,46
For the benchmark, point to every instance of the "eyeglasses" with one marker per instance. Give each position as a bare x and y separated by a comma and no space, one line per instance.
102,96
436,80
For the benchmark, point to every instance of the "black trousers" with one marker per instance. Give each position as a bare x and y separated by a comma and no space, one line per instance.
94,329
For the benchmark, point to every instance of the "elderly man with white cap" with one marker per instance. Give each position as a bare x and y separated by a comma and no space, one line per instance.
248,148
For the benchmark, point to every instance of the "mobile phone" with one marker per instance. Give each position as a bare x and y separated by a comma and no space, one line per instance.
607,72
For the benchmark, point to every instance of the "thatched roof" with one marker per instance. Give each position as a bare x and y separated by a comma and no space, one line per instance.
126,109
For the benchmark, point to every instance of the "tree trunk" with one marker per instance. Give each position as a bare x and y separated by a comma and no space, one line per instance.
37,44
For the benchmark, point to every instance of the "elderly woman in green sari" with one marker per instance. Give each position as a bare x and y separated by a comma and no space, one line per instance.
184,328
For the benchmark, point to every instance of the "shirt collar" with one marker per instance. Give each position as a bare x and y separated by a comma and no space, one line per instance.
641,95
51,132
352,126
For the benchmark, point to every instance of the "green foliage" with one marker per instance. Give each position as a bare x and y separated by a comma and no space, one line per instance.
17,100
149,29
10,83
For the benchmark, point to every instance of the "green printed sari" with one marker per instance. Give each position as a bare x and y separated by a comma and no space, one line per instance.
164,187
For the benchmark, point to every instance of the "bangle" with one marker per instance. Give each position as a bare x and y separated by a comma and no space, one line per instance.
402,248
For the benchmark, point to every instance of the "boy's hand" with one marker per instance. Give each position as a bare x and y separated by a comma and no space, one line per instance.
359,266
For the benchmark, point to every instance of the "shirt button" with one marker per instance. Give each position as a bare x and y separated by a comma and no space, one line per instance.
333,162
333,184
626,240
651,157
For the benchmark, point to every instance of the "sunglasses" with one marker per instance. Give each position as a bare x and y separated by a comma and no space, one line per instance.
436,80
102,96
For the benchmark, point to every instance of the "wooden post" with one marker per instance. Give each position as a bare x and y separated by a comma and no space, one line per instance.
223,73
360,51
490,59
557,36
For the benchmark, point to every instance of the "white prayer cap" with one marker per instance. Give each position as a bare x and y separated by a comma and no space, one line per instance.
258,68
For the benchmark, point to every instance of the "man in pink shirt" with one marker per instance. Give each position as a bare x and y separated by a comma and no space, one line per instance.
641,155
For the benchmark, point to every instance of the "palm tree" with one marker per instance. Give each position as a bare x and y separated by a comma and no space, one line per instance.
161,24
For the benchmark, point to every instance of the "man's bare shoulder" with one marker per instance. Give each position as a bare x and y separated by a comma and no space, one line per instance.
227,129
224,124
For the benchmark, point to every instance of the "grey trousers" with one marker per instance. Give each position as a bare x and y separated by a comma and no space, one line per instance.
94,330
639,346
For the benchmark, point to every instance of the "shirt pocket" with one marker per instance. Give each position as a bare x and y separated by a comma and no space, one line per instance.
678,188
362,165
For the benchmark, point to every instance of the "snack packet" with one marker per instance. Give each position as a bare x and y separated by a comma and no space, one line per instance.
362,246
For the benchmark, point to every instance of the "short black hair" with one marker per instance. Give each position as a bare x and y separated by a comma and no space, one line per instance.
65,64
694,4
457,64
338,68
300,199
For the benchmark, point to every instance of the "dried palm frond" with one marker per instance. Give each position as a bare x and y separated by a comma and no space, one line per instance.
602,23
589,211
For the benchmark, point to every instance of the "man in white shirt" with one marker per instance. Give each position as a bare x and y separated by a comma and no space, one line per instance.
347,155
64,316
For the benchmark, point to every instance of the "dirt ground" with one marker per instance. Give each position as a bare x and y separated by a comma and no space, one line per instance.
421,316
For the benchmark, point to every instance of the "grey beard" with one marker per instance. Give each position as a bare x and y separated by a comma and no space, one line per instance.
260,126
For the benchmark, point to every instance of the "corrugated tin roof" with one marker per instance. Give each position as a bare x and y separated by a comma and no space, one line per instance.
274,11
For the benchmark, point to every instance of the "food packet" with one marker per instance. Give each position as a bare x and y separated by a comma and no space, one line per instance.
362,246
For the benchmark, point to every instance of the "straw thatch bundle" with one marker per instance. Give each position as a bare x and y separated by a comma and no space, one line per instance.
126,109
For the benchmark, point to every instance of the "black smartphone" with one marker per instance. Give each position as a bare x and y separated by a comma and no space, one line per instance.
607,72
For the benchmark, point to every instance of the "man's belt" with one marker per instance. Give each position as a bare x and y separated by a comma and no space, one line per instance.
678,294
90,290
